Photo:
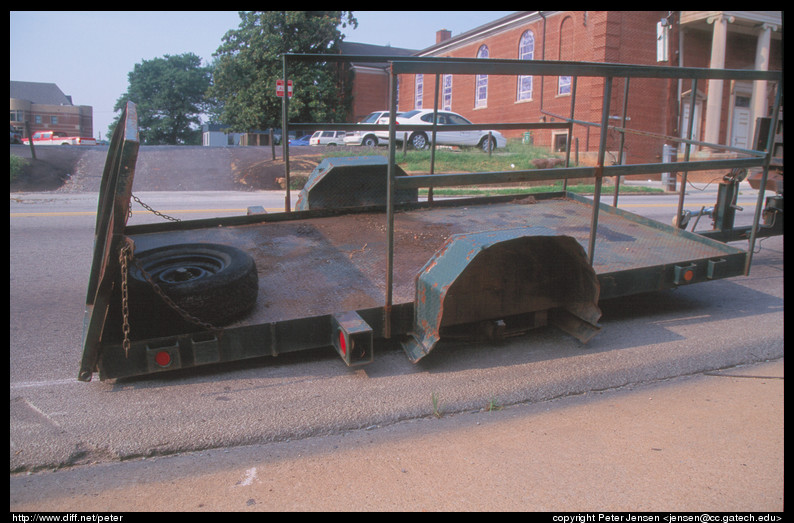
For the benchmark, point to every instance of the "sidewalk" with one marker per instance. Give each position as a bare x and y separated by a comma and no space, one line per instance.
708,442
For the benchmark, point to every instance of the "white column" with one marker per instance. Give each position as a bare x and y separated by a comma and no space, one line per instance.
760,101
714,97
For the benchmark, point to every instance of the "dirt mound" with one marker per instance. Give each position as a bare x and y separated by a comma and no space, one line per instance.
269,174
39,175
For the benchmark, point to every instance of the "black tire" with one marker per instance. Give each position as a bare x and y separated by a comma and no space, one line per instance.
214,283
484,144
370,141
418,141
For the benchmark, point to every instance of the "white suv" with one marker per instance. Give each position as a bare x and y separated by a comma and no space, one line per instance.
327,138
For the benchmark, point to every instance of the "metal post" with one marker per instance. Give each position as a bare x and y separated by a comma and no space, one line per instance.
690,125
285,136
570,131
433,140
622,139
770,144
30,140
602,147
390,205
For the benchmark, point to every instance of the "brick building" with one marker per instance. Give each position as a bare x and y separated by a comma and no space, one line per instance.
45,107
730,40
370,80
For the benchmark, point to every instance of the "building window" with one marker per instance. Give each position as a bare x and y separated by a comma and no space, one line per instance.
481,98
447,92
560,142
564,85
662,32
17,115
418,91
54,120
526,51
566,47
37,119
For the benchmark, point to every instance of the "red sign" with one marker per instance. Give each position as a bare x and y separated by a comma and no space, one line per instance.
280,88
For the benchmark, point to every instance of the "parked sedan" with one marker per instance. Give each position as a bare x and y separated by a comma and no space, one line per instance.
370,138
473,138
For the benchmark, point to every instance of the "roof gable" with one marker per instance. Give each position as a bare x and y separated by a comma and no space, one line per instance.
39,93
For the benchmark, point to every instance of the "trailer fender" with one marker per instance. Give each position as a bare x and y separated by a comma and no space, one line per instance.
350,182
494,275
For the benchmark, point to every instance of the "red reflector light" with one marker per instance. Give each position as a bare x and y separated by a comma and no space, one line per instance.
163,358
342,344
688,275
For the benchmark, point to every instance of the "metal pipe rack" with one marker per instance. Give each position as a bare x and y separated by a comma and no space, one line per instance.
471,66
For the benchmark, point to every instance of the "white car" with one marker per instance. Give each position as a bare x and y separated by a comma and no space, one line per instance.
473,138
370,138
327,138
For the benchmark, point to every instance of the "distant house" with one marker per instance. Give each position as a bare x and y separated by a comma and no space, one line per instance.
213,134
45,107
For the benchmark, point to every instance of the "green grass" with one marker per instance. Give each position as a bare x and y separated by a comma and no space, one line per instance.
515,157
475,190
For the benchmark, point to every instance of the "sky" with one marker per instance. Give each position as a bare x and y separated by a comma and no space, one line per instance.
88,54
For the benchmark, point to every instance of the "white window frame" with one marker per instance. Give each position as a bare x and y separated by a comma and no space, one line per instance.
662,41
564,85
526,51
446,99
418,91
481,83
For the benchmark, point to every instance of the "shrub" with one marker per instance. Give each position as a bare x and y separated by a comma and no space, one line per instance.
17,166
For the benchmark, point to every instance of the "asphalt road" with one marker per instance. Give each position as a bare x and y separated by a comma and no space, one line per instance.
56,421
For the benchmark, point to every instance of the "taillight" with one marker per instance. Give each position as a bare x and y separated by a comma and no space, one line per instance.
342,343
163,358
352,338
684,274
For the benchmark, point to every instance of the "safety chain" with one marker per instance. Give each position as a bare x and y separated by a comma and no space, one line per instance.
148,208
126,254
182,312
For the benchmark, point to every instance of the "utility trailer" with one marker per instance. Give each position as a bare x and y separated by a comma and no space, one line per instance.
352,272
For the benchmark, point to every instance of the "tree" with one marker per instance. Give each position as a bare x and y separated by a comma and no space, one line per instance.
170,96
248,63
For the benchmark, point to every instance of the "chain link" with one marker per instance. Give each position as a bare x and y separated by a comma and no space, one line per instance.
148,208
124,255
167,299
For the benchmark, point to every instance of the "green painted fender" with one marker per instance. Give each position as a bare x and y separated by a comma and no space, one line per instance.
493,275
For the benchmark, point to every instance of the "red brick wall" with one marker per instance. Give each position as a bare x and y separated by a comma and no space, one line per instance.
371,93
622,37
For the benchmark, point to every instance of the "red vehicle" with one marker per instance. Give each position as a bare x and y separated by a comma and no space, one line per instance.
58,138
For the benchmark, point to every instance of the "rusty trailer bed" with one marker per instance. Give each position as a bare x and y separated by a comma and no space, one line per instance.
346,278
314,266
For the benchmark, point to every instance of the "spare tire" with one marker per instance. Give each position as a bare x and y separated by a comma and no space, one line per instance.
214,283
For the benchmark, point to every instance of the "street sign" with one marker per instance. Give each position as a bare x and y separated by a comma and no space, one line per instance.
280,88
